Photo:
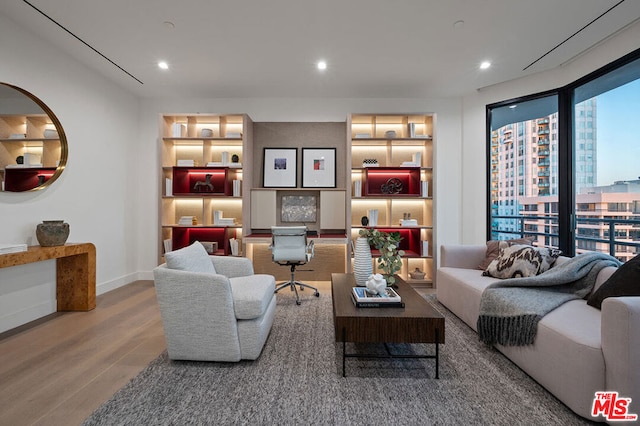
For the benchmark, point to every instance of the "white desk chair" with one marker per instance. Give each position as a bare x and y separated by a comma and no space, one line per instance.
289,247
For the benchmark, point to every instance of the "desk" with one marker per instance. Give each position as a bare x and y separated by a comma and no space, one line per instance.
75,272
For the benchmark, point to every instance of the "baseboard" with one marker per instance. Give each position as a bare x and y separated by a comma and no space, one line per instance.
28,314
122,281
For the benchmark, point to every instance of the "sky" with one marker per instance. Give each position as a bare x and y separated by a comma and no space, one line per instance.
618,130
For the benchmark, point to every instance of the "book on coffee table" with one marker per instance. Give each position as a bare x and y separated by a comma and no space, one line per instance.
363,299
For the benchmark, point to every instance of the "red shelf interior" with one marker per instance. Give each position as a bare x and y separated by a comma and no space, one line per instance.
182,237
185,180
23,179
376,177
410,241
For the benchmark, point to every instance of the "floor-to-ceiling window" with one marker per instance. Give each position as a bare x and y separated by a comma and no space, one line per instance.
523,168
564,166
606,146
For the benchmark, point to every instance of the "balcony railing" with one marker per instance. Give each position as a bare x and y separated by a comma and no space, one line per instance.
525,225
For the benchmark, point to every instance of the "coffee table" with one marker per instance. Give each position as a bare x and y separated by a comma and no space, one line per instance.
417,322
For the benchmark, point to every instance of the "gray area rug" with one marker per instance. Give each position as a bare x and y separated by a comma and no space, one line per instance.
298,381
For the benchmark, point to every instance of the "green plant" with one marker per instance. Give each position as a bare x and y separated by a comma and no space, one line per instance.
390,260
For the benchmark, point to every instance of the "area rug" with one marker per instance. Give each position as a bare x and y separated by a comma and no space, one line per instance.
298,380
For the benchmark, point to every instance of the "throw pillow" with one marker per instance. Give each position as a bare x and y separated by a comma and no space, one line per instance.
192,258
494,246
522,261
625,281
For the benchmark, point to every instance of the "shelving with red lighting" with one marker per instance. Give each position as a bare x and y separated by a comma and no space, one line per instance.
392,177
33,139
202,177
391,181
203,181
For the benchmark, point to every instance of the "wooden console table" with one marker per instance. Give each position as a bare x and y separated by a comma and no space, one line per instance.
75,272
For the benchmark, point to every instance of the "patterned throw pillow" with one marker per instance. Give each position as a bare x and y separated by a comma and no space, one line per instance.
494,246
522,261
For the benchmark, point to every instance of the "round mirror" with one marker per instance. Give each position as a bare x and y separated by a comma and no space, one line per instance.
33,146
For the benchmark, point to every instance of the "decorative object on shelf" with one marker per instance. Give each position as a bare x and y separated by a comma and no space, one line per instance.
412,130
210,246
178,130
50,134
424,188
390,134
417,274
204,186
373,217
206,133
364,220
280,168
391,186
235,158
370,162
362,261
318,167
52,233
390,260
376,284
357,188
20,159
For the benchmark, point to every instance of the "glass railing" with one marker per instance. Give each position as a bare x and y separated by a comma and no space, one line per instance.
508,226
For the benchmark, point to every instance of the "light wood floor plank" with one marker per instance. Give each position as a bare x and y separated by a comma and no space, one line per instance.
59,369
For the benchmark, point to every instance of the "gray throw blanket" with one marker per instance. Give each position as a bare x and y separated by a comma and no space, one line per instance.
511,309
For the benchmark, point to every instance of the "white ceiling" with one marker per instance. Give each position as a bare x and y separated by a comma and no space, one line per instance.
374,48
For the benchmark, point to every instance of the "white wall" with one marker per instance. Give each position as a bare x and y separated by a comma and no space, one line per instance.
95,194
474,123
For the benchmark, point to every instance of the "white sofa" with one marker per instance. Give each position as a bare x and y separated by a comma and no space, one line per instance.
578,349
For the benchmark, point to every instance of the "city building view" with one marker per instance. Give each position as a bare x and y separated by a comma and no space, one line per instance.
524,183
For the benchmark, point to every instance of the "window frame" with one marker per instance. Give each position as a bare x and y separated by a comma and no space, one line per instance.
566,149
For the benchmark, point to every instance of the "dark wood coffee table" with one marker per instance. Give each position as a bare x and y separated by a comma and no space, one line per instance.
417,322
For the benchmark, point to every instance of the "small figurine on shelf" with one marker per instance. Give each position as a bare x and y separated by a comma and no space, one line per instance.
204,186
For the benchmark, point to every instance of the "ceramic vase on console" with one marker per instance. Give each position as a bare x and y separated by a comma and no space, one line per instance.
362,261
52,233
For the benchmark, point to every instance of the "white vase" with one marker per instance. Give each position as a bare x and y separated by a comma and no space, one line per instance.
362,261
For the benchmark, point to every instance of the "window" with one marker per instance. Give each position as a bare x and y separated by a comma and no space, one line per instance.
581,154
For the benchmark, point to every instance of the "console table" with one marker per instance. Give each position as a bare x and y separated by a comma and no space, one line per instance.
75,272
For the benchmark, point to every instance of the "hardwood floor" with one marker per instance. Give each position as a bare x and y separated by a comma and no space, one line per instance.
59,369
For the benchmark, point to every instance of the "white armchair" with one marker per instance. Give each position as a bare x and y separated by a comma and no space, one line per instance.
213,308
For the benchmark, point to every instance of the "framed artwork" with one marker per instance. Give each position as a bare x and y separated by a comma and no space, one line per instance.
318,167
280,168
298,208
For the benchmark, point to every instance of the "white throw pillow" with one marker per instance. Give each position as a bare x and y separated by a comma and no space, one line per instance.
192,258
522,261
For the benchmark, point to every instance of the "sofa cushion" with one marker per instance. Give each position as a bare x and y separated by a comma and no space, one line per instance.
494,246
522,261
625,281
193,258
252,295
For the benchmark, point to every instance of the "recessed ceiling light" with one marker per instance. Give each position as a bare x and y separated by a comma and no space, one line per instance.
484,65
322,65
163,65
458,24
169,25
